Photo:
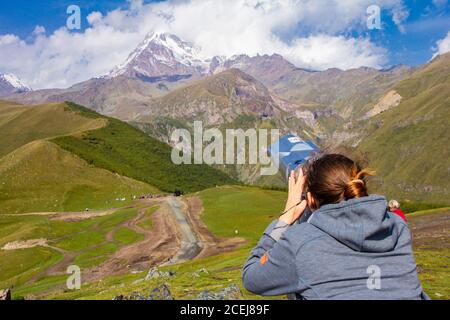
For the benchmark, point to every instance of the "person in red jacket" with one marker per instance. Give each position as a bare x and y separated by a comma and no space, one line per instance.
394,207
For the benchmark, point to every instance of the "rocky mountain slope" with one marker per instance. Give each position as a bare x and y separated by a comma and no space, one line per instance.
120,96
216,100
163,63
166,83
349,93
266,68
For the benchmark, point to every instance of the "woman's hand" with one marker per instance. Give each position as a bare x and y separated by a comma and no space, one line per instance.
295,206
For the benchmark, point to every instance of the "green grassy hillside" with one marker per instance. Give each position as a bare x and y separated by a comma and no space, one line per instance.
123,149
21,124
41,177
408,144
63,157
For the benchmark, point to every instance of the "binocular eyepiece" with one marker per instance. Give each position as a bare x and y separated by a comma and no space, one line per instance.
293,153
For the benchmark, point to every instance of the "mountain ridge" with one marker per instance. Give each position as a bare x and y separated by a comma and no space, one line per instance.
164,62
335,106
97,159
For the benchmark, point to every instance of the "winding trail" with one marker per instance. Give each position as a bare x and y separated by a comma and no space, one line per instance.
159,245
190,245
177,235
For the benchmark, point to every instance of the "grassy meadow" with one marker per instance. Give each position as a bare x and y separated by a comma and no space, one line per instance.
85,240
227,209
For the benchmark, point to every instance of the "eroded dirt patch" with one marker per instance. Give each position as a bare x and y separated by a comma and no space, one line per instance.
160,243
79,216
25,244
71,216
431,231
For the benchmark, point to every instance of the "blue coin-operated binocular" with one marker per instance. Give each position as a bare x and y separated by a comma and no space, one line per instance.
292,152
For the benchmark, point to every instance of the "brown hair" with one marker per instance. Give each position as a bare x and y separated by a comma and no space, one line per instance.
333,178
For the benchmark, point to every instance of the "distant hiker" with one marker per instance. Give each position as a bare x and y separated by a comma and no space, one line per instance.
394,207
349,247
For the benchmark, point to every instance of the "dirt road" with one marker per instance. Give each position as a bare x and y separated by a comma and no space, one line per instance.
190,245
177,234
160,243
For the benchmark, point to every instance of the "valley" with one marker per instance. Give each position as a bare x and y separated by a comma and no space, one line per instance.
150,232
390,119
87,179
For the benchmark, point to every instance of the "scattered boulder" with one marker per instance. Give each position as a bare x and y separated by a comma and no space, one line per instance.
5,294
154,273
137,281
233,292
161,292
132,296
203,270
197,273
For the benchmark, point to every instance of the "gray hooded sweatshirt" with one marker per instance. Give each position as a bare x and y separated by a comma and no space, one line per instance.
355,249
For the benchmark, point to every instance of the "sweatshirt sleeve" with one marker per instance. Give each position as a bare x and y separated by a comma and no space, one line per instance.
271,268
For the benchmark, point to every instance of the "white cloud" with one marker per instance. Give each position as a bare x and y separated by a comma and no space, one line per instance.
323,52
399,14
38,30
8,39
94,18
442,46
307,32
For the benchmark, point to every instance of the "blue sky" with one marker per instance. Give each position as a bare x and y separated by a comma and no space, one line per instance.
305,38
425,25
21,16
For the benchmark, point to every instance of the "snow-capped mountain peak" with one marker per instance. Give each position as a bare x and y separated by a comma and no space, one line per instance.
10,83
162,54
14,81
183,51
165,57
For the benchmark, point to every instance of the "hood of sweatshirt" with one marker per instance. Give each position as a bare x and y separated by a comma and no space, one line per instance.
363,224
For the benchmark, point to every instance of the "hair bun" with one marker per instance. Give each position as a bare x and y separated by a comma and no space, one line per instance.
332,178
355,188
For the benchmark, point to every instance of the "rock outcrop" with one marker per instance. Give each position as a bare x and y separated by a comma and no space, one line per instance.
161,292
154,273
233,292
5,294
